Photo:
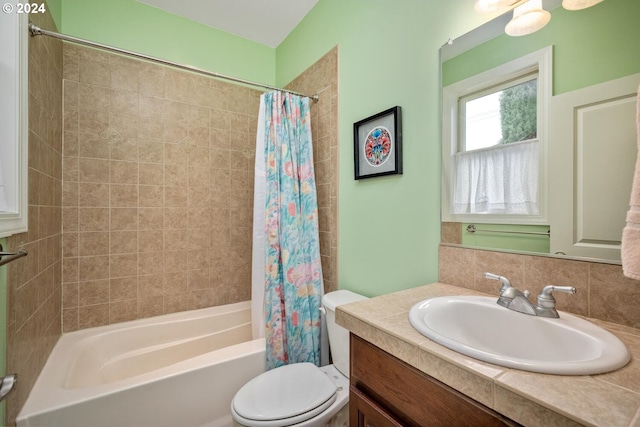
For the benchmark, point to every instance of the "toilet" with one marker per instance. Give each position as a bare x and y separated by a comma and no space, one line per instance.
302,394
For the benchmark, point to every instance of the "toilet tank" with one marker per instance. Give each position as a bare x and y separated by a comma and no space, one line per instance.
339,336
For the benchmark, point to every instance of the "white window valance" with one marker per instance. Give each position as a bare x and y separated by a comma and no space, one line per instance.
498,180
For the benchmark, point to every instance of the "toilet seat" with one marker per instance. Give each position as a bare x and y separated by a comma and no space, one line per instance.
286,395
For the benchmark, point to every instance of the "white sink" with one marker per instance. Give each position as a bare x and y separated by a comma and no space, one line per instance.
478,327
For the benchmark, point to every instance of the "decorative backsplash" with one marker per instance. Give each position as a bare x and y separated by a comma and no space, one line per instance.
603,292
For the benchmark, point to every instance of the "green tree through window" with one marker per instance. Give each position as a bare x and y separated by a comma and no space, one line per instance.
518,112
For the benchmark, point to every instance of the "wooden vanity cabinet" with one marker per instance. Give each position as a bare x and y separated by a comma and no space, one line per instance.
387,392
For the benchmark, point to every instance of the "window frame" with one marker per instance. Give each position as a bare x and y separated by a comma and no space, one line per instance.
539,61
14,45
464,99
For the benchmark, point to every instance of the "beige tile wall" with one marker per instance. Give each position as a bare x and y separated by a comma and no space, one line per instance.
148,207
451,232
603,292
157,189
322,79
33,282
158,186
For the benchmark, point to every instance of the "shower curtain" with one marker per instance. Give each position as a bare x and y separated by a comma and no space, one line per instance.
287,274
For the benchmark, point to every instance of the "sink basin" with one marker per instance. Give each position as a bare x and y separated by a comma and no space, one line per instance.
478,327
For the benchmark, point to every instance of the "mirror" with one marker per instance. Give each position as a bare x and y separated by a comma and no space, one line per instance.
591,129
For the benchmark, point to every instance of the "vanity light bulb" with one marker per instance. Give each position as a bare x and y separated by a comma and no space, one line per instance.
487,6
579,4
528,18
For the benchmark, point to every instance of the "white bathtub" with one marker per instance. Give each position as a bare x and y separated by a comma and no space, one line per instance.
179,369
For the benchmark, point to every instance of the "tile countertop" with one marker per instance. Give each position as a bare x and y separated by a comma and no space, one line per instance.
611,399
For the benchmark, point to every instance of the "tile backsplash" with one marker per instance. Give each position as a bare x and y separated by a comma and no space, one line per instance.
603,292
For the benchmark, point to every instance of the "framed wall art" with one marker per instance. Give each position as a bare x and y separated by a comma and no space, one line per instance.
378,144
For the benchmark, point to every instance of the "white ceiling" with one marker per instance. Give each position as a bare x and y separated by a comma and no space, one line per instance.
267,22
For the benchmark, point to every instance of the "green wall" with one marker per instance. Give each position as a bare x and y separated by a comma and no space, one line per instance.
55,9
389,227
135,26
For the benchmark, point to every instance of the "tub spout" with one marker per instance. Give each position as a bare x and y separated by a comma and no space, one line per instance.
7,384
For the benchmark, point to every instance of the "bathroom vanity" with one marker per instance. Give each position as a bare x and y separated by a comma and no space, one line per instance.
399,377
385,391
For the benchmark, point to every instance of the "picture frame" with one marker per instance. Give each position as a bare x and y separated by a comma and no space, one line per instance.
378,144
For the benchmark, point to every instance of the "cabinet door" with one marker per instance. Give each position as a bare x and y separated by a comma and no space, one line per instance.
367,412
410,395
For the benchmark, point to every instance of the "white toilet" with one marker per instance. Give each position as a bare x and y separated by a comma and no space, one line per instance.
301,394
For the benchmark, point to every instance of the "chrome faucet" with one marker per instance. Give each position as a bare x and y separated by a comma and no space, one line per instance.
547,303
514,299
505,282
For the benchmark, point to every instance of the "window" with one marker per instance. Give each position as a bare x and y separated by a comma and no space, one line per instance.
494,141
13,122
500,115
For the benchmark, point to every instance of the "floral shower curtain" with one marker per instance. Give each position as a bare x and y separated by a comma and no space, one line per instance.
293,284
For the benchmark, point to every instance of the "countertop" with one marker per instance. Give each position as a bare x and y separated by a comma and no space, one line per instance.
611,399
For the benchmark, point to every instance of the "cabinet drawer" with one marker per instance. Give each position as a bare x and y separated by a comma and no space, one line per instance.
410,396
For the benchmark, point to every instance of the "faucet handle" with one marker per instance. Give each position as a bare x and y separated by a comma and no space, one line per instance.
491,276
546,299
505,282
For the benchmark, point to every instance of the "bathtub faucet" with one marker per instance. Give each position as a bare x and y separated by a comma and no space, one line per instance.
7,384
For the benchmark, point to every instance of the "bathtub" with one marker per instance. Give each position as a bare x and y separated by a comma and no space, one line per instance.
179,369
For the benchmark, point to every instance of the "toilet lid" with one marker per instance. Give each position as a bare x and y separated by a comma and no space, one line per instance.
284,392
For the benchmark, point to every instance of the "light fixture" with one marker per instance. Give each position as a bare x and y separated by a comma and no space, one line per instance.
488,6
527,18
578,4
528,15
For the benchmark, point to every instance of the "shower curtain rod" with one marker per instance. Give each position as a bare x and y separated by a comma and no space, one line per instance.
37,31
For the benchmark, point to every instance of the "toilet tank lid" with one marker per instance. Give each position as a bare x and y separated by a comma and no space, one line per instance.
333,299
